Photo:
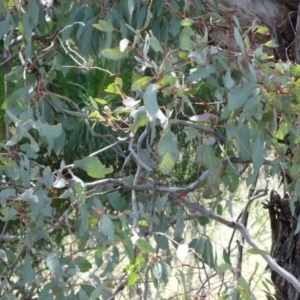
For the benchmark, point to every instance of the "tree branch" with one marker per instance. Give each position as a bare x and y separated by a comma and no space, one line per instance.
271,262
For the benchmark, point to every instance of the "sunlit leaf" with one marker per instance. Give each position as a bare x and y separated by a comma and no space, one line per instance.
113,53
182,251
103,26
263,30
185,40
133,278
168,81
257,251
141,83
140,119
123,44
187,22
93,167
271,44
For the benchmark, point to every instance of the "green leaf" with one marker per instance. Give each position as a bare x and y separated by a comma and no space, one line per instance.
28,272
258,153
33,11
130,4
239,96
162,242
295,70
179,227
182,277
203,221
168,81
239,40
215,16
263,30
97,292
155,45
187,22
208,255
224,267
151,105
115,200
113,53
148,18
271,44
228,81
167,163
140,119
160,203
185,40
93,167
113,89
141,83
100,101
54,265
106,226
226,257
133,278
46,130
3,256
157,271
9,213
144,246
244,288
257,251
83,264
166,272
167,149
103,26
201,73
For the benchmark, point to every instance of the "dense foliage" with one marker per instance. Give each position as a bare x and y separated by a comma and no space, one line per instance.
125,132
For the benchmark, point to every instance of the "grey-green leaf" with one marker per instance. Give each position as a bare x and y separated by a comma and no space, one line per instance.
106,226
239,96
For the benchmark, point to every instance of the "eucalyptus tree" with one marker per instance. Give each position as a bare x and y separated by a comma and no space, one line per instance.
186,118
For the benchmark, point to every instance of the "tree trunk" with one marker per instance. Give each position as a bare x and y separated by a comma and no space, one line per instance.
280,16
285,244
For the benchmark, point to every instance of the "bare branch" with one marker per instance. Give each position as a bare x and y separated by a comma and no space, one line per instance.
136,156
235,225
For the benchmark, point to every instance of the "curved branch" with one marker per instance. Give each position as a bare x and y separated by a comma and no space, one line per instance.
235,225
198,126
168,189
